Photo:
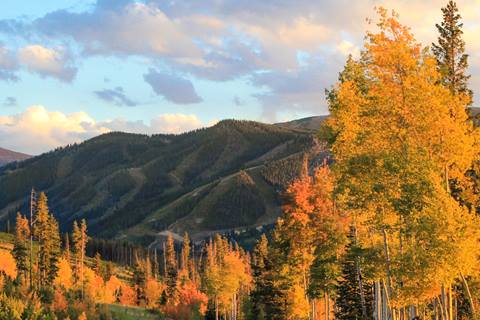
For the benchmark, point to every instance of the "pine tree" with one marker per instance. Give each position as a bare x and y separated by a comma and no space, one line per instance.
185,256
20,252
67,246
155,265
76,240
48,237
148,267
109,271
171,271
260,265
450,51
348,300
55,242
98,263
281,277
79,239
140,281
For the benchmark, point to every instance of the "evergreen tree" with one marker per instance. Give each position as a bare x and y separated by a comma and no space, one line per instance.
109,271
98,263
20,252
140,281
450,51
171,271
280,277
260,293
155,265
56,252
185,256
48,237
67,246
348,300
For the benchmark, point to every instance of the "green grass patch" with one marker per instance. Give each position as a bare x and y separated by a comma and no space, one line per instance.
6,237
121,312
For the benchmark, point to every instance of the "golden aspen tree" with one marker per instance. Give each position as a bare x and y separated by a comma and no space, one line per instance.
397,144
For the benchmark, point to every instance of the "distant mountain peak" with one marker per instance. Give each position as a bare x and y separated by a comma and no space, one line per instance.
7,156
309,123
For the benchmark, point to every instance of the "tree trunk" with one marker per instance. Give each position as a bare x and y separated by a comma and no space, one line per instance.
328,305
388,290
313,309
441,309
445,303
469,294
377,302
450,303
359,277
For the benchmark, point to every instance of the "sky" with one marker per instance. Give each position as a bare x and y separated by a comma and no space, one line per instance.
73,69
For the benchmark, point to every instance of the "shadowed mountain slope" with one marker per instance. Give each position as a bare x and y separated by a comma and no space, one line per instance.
137,186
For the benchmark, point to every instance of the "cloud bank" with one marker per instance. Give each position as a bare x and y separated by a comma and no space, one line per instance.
37,130
288,51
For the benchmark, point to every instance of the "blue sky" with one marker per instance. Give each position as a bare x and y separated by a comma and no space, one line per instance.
72,69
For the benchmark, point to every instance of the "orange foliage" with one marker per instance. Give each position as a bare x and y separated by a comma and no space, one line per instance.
128,296
191,303
60,303
64,275
94,286
112,289
153,292
7,264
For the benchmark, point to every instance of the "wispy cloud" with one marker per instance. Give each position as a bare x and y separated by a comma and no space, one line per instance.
116,96
8,65
10,102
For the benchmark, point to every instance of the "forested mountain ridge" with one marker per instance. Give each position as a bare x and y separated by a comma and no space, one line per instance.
7,156
309,123
223,177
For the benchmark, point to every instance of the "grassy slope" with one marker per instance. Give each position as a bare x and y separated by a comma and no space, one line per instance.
120,312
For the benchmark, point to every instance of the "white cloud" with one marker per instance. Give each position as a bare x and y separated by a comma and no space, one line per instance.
175,123
38,130
47,62
348,48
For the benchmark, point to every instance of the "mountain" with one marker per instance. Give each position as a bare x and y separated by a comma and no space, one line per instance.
310,123
138,187
7,156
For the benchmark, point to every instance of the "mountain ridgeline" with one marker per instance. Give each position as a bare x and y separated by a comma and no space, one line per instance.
137,187
7,156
